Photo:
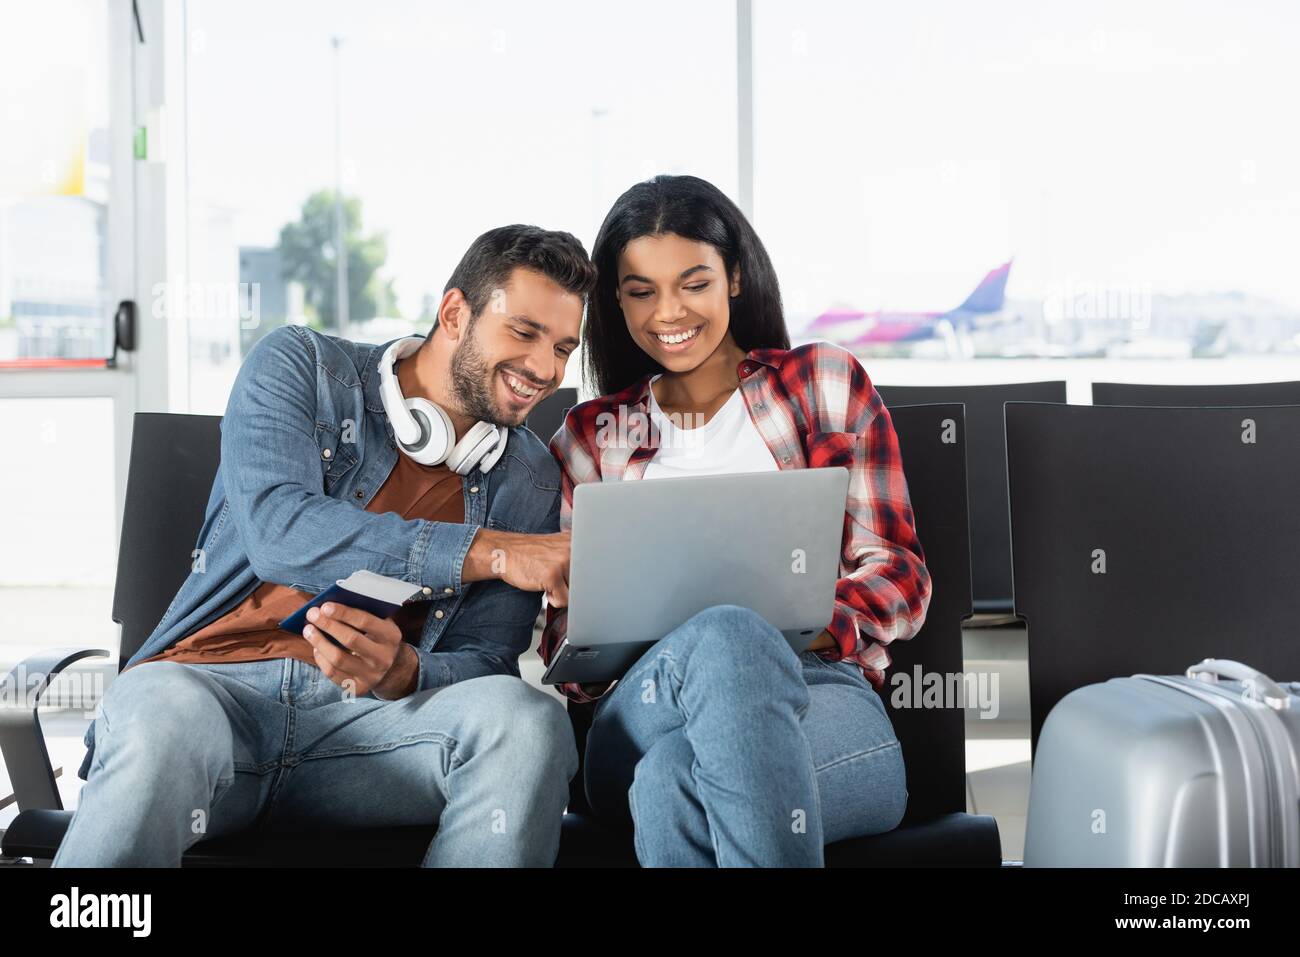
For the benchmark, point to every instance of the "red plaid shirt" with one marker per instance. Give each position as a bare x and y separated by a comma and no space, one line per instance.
814,407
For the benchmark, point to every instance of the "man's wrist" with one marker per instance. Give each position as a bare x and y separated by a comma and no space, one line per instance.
480,561
402,677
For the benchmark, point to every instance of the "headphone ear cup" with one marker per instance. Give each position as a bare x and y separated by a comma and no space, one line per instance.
478,441
436,432
494,454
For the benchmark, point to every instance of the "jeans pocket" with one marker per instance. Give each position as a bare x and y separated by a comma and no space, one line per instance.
855,671
815,661
848,670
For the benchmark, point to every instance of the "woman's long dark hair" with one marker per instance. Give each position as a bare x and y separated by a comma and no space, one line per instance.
693,209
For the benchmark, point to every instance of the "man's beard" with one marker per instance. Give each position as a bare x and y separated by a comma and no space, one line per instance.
472,384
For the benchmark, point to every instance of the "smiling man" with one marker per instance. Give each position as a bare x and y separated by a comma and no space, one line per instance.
222,722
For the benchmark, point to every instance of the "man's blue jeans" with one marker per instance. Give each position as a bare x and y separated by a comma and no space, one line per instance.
725,748
190,751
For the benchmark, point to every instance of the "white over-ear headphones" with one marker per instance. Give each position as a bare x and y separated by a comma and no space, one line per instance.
424,431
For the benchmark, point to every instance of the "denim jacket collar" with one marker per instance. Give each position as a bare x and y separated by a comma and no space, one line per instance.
370,378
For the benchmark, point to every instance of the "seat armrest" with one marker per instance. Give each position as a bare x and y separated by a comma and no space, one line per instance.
21,742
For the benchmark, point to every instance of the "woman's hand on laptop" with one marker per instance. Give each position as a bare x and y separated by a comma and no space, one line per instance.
529,562
824,640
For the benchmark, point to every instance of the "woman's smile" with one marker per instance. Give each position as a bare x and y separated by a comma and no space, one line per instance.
678,339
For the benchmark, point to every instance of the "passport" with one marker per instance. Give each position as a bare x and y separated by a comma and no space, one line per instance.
377,594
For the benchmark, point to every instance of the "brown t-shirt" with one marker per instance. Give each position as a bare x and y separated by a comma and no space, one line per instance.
249,632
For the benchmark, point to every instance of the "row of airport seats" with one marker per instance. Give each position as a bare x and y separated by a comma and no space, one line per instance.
1196,536
173,461
1156,527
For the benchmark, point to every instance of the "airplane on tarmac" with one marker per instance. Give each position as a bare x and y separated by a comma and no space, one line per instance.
881,327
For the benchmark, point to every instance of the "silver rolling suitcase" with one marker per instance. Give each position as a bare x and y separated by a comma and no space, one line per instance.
1156,771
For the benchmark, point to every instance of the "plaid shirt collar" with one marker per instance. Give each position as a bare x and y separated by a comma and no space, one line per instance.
636,399
638,394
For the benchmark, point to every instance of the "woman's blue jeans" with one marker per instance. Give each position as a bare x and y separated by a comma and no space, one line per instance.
725,748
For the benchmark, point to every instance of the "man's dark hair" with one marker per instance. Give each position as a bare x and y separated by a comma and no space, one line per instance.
491,258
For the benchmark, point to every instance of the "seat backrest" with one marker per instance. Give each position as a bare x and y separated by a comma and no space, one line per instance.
546,419
1147,539
932,441
174,459
1243,393
986,458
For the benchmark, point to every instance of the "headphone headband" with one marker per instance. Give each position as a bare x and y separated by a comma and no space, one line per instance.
390,391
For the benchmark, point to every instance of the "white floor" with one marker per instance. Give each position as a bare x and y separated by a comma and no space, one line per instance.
997,750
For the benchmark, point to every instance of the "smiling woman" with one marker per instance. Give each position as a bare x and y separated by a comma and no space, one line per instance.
686,322
689,266
667,315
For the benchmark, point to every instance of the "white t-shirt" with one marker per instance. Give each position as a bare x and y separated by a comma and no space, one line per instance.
729,442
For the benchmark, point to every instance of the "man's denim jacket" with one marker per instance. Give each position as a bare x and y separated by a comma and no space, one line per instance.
305,445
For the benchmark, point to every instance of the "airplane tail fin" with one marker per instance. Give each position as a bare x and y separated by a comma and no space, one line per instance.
990,293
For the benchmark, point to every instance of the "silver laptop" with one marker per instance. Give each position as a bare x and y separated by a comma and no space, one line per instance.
649,554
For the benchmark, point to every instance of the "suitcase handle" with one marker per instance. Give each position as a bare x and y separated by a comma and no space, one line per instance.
1257,685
